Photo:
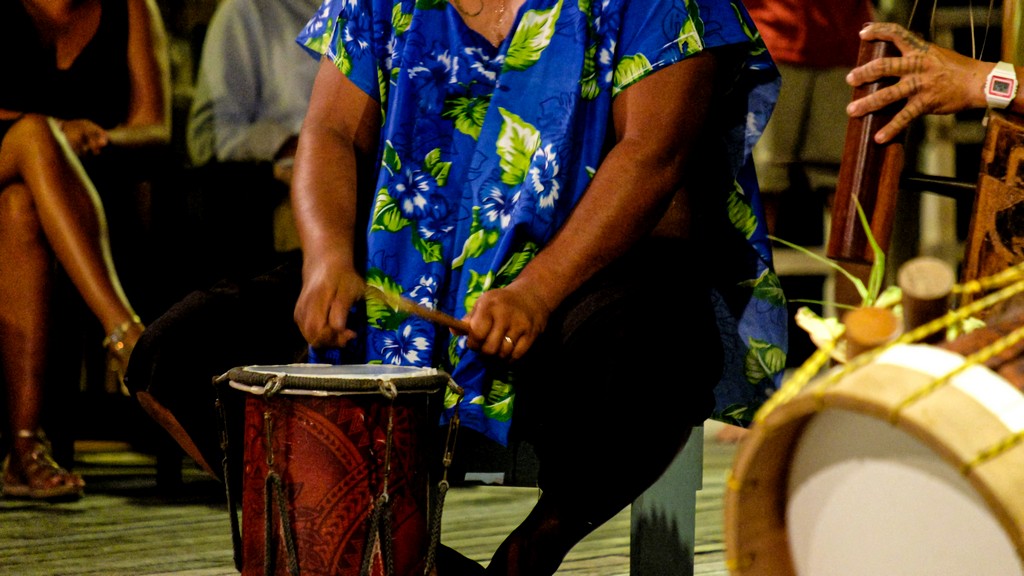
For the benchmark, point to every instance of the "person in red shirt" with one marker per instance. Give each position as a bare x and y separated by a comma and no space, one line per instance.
815,44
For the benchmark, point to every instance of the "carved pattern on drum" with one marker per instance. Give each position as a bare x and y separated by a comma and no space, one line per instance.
995,235
329,453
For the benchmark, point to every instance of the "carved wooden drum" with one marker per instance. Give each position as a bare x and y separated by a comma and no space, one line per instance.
335,481
912,465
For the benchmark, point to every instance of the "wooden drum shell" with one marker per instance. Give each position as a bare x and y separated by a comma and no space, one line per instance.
329,450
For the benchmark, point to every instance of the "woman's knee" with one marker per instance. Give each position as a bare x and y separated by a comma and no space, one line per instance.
18,214
34,137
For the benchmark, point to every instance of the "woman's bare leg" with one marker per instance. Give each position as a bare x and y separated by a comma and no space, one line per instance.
48,207
24,305
25,284
35,153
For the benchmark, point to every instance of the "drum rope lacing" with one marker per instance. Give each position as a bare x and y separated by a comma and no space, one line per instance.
236,533
443,485
1010,282
381,514
273,493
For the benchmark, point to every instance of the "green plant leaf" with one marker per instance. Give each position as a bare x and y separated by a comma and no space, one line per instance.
878,266
861,290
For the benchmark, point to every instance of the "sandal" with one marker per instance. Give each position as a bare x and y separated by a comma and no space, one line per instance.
119,350
39,477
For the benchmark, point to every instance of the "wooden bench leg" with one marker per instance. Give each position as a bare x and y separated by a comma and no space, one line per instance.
662,519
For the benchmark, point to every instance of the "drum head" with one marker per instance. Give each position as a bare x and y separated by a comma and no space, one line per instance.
891,468
865,497
327,379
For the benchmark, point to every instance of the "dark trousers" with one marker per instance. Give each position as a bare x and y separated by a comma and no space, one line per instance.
626,368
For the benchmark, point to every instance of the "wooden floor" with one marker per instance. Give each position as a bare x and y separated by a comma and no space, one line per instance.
125,526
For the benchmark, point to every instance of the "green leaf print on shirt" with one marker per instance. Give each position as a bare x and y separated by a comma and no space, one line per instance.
763,360
477,285
629,70
767,287
400,20
740,213
468,113
755,36
498,403
378,312
438,168
342,60
691,34
518,140
589,88
531,37
386,215
515,264
480,239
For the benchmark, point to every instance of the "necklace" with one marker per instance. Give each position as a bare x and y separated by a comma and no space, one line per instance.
462,10
498,28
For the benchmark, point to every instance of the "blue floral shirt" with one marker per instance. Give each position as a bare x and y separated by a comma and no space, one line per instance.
485,150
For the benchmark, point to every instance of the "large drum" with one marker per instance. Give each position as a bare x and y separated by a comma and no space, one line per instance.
335,481
912,465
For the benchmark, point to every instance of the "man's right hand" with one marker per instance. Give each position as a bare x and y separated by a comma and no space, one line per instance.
329,291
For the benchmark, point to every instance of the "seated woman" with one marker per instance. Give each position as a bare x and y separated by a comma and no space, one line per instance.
48,207
100,67
91,77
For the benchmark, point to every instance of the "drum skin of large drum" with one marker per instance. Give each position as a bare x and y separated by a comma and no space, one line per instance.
329,451
884,469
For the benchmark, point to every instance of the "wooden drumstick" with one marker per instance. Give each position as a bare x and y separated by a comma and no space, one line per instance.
409,307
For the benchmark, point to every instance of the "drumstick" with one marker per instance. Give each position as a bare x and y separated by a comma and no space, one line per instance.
409,307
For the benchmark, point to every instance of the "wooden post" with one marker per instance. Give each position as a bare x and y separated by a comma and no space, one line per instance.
867,328
1013,31
869,174
927,286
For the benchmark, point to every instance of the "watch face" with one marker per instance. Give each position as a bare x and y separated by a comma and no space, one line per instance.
1001,86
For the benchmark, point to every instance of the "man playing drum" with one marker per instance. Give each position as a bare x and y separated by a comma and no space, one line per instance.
548,172
544,170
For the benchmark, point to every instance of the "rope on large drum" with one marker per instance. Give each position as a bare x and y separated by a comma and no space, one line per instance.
1010,283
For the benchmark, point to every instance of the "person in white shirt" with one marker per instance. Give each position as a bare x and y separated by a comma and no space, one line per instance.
253,85
251,93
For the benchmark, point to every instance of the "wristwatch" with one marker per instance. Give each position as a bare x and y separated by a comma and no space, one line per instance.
1001,86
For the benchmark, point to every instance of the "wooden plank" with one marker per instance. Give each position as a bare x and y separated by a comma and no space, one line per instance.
126,527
